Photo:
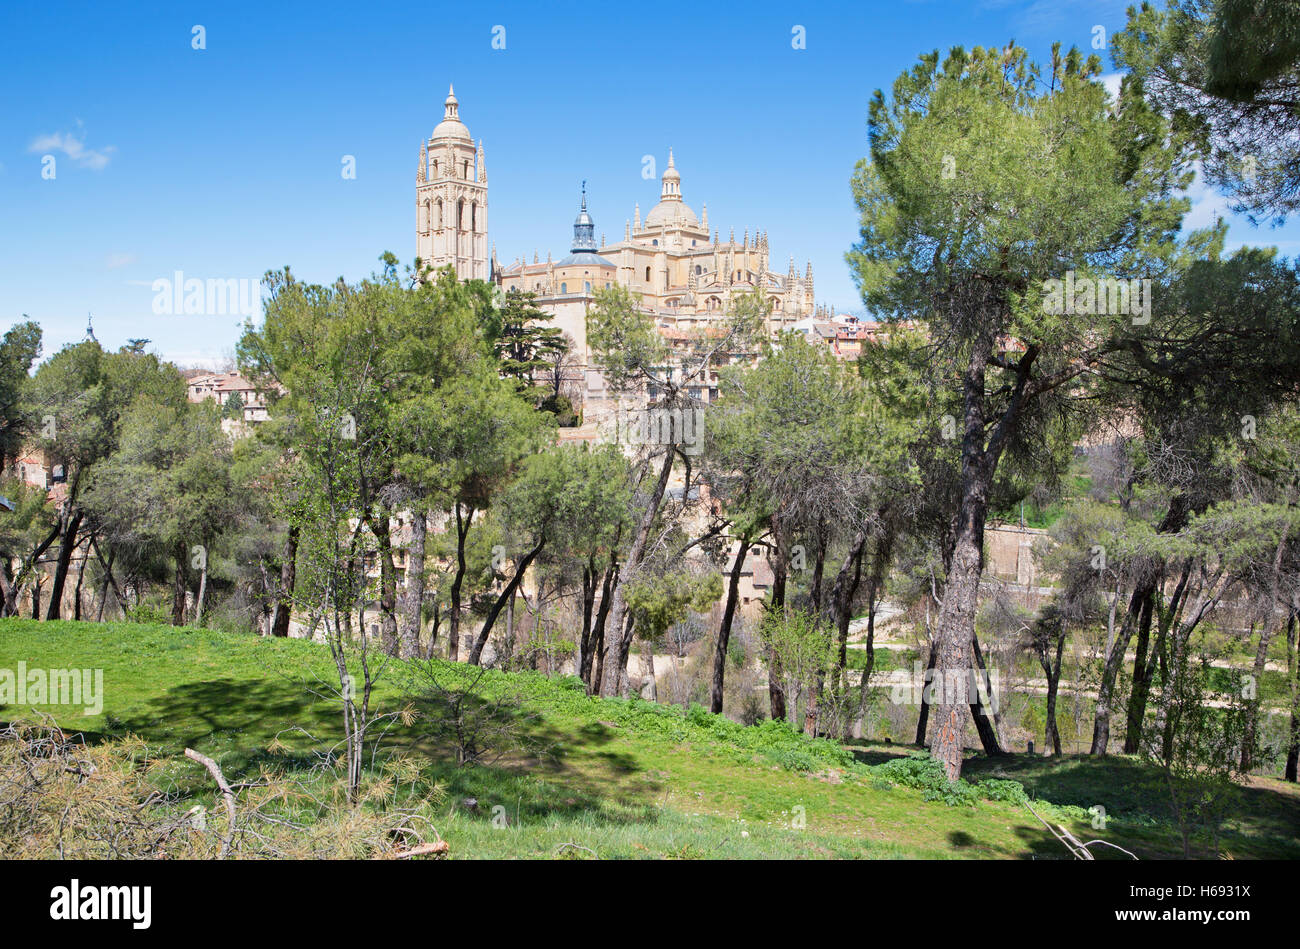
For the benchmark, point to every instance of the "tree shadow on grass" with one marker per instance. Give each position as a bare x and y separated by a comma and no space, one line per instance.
549,772
1134,792
540,772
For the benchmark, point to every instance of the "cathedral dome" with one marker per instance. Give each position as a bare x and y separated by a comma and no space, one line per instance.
671,214
671,211
451,126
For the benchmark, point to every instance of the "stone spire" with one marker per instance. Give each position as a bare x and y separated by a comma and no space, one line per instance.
478,161
672,181
584,228
704,219
421,174
636,217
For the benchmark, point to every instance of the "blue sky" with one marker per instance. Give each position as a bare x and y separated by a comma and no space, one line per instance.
225,162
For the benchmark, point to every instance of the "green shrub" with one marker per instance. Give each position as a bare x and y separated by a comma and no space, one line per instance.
922,772
1000,789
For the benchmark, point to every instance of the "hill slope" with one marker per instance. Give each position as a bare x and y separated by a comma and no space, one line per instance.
609,778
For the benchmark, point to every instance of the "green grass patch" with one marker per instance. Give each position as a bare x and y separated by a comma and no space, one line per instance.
598,777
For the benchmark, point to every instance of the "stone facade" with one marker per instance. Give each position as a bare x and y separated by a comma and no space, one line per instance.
686,278
451,207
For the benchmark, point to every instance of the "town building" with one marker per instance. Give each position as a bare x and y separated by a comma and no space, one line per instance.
220,387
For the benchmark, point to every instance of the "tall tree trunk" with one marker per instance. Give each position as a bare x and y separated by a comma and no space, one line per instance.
66,546
179,587
875,582
463,523
953,641
476,652
381,528
1142,674
1181,633
109,582
819,571
1293,684
956,624
845,614
583,665
1140,606
1144,666
838,608
1261,659
6,583
203,592
1249,738
288,579
414,586
615,677
648,682
780,561
1139,601
724,630
28,565
598,648
985,724
76,591
433,629
923,716
1051,664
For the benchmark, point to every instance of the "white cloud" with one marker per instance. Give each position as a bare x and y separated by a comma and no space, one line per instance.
1207,204
114,261
74,148
1111,81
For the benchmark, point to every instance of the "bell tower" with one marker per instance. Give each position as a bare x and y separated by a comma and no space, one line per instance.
451,198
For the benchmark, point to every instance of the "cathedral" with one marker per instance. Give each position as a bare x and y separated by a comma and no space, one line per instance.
685,275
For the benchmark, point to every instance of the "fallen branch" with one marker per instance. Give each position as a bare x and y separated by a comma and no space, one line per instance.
560,849
215,770
1071,843
438,847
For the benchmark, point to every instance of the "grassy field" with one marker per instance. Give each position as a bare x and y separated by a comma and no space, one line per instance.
607,778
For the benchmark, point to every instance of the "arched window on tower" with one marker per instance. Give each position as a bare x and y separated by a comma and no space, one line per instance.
460,214
473,217
435,168
647,275
564,288
437,220
698,269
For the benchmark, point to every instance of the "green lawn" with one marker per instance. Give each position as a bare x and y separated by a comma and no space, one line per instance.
605,777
